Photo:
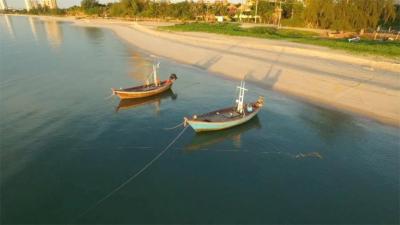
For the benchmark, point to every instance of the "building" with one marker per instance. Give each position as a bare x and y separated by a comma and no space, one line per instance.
28,5
52,4
3,5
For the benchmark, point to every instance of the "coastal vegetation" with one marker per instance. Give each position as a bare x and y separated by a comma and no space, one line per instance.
341,19
387,49
340,15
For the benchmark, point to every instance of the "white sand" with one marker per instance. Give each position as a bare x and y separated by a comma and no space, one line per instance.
363,85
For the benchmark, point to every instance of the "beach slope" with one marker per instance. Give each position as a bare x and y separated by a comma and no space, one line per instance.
363,85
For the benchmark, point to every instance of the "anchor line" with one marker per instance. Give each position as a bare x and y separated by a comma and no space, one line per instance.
189,85
109,96
171,128
134,176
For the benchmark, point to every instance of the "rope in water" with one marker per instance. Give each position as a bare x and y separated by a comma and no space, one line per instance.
171,128
134,175
112,94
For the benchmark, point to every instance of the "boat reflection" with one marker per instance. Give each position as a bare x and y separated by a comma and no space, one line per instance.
204,140
156,100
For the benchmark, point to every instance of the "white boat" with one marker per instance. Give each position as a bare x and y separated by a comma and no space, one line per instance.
226,117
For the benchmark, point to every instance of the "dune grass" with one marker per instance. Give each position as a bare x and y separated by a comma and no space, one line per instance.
365,47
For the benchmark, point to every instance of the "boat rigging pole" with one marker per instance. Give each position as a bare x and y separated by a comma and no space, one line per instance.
240,99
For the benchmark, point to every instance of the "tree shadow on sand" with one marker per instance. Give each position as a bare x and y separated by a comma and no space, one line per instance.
207,63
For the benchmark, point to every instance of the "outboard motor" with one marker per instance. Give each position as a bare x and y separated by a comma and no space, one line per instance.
173,76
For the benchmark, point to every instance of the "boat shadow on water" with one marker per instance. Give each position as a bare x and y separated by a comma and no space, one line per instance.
201,141
137,102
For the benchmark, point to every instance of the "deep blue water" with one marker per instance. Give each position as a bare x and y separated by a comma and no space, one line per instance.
64,145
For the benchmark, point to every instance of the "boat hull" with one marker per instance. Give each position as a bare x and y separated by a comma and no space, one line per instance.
127,94
201,126
137,102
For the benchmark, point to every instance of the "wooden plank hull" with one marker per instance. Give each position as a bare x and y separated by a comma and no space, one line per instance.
140,92
137,102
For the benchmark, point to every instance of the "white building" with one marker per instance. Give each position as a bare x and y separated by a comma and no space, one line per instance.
28,5
32,4
3,5
52,4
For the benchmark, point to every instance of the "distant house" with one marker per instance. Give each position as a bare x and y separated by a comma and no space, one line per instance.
220,18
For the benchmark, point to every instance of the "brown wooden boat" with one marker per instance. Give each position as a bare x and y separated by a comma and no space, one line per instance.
147,90
144,90
137,102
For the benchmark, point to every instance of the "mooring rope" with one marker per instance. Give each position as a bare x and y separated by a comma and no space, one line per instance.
133,176
189,85
171,128
109,96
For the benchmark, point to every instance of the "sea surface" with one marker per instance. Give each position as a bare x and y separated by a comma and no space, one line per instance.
69,151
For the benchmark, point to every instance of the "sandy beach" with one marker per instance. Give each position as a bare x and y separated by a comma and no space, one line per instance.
366,86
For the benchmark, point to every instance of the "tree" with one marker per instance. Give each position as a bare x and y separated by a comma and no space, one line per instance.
356,15
88,4
265,10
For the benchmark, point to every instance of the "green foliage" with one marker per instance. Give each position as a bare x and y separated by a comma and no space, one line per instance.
92,7
363,47
88,4
234,29
340,15
126,8
265,10
181,10
295,22
292,9
40,10
349,14
219,9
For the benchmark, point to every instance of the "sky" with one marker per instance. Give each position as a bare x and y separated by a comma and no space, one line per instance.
61,3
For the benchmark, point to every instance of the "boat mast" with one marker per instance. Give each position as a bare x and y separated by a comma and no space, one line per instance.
155,74
240,99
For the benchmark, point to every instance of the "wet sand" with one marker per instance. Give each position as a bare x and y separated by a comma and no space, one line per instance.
367,86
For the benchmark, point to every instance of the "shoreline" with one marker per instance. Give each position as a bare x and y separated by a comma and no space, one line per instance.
337,80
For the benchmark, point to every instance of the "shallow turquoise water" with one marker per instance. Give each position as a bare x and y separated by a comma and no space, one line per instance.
64,146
